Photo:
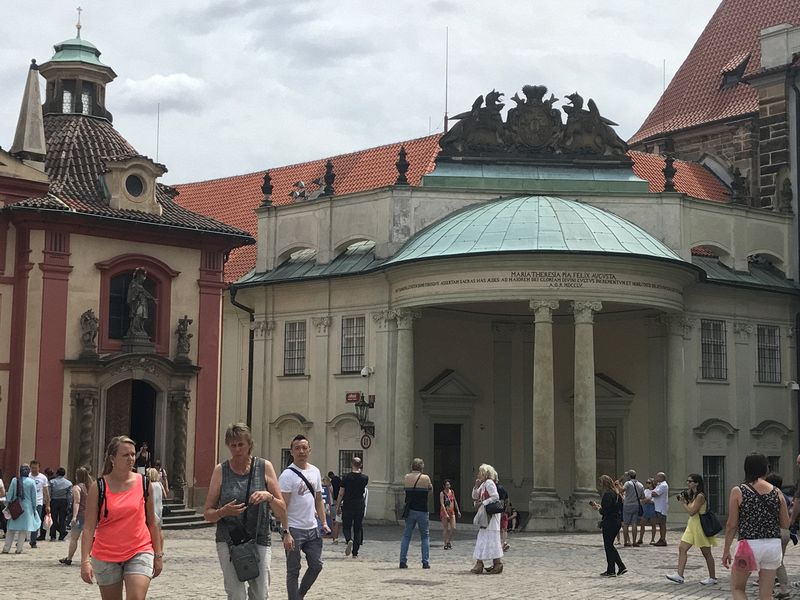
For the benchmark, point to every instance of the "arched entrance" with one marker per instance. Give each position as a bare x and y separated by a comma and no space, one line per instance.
131,410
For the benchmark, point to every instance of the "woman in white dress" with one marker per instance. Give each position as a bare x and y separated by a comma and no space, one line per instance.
488,545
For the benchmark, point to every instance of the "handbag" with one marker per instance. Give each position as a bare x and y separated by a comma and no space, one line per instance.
498,506
744,559
244,554
15,509
710,523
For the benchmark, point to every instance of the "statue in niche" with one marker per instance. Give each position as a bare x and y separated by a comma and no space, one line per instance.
183,345
479,129
587,132
534,124
138,301
89,327
785,197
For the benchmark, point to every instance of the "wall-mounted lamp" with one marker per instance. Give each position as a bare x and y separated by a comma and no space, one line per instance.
362,411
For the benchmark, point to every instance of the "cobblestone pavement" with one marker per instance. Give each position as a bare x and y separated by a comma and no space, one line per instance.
537,566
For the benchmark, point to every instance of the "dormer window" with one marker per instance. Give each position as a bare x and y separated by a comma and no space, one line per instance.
130,184
66,104
733,71
134,185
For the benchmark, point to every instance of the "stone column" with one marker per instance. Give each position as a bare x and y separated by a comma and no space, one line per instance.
545,507
584,406
85,403
404,393
678,328
179,406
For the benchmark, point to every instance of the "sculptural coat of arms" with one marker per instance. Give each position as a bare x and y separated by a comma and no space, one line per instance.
533,129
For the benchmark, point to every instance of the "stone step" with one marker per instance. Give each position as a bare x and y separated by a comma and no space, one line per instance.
169,519
178,512
196,524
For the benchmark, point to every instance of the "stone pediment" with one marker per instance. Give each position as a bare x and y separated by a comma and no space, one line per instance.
449,385
534,131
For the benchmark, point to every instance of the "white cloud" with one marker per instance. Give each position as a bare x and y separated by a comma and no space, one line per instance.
178,91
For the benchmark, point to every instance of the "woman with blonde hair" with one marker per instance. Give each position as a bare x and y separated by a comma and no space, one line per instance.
80,492
610,511
121,543
488,545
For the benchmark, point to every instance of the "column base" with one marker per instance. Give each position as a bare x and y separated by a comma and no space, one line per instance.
582,516
546,511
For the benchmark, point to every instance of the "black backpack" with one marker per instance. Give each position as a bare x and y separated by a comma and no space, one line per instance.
102,507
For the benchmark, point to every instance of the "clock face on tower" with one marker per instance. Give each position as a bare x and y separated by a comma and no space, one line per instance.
135,187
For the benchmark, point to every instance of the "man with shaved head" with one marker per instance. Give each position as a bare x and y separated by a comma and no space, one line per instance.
660,496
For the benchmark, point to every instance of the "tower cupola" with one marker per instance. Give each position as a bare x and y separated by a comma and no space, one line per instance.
76,79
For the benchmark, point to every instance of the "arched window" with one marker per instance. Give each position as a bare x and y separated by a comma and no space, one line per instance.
66,102
118,314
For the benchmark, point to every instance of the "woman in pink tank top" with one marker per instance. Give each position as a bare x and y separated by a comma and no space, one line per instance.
121,544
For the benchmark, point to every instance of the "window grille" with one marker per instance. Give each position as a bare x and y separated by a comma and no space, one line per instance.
85,103
774,464
286,458
769,354
345,459
714,479
353,329
294,348
714,349
66,102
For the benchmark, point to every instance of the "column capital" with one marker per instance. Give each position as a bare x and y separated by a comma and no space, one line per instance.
263,328
584,310
543,309
322,324
405,317
742,330
381,318
678,324
179,399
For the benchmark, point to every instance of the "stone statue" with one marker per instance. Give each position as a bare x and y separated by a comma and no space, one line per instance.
587,132
739,186
534,131
534,124
138,304
478,130
183,345
89,327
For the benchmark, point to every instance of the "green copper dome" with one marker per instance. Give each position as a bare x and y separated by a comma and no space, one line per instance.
78,50
532,224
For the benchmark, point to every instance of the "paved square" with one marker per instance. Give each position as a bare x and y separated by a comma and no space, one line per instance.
537,566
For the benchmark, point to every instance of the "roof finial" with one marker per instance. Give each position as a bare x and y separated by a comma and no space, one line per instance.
78,24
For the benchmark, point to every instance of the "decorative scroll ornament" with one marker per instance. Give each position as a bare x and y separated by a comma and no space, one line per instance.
584,310
534,130
263,328
322,324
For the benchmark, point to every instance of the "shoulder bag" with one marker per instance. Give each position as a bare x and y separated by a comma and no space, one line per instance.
244,554
709,522
497,506
14,507
638,500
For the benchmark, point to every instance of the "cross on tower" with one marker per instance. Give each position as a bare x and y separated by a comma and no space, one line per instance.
78,24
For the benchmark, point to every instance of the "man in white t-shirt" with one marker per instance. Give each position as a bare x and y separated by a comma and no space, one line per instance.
661,501
42,499
301,486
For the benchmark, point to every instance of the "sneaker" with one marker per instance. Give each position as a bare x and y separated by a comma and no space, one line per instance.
607,574
426,565
403,565
622,571
660,543
675,577
708,581
349,548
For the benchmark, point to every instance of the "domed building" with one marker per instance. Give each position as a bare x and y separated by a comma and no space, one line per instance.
110,291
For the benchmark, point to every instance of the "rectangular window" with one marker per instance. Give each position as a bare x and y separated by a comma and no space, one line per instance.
353,329
286,458
774,464
66,102
345,457
769,354
714,478
714,350
294,348
85,103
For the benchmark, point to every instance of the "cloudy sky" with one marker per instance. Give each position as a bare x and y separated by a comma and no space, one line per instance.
245,85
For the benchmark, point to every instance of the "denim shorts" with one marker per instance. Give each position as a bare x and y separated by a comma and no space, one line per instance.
109,573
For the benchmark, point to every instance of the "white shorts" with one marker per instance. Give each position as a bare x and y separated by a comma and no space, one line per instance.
767,553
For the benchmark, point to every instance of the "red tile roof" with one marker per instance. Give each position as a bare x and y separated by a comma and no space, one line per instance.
691,178
694,97
233,199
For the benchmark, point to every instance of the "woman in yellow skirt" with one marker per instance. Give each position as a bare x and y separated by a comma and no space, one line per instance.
693,501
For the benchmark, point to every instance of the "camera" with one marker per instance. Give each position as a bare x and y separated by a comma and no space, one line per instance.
366,371
684,495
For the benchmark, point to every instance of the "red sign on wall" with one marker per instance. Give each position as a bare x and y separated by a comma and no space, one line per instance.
352,396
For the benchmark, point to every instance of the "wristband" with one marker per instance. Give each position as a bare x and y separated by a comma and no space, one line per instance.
158,555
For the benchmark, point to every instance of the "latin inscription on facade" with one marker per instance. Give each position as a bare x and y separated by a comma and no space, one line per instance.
542,280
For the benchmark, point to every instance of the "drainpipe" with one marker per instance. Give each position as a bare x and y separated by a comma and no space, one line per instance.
250,345
797,217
